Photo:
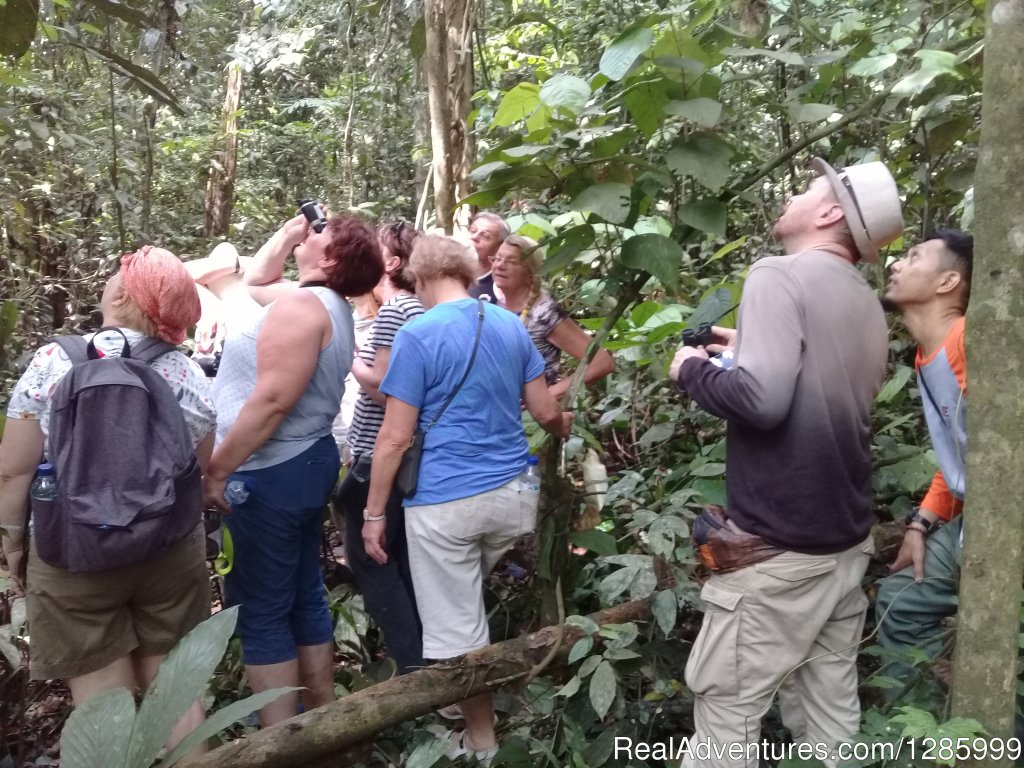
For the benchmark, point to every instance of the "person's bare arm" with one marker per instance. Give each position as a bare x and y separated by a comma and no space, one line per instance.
370,376
264,275
393,440
545,408
20,454
295,330
573,340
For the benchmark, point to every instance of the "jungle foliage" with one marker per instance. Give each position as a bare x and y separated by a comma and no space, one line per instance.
647,145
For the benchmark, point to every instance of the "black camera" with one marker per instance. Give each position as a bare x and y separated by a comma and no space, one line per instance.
314,213
701,337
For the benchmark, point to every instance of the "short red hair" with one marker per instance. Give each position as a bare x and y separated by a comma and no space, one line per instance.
358,263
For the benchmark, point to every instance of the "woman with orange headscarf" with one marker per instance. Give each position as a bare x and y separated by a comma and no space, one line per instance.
109,629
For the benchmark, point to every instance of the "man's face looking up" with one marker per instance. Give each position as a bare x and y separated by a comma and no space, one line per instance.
485,235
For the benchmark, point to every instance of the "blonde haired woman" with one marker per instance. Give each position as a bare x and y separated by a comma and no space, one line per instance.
459,371
518,288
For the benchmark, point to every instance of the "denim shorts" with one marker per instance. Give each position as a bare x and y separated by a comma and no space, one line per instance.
277,531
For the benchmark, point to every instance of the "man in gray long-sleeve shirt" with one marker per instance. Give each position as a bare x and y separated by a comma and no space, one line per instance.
809,358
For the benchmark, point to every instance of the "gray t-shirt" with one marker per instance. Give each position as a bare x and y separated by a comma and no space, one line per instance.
311,417
810,357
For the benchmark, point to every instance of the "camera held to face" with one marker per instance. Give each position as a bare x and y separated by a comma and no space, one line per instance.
314,213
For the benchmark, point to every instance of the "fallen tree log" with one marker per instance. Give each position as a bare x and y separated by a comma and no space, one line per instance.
334,730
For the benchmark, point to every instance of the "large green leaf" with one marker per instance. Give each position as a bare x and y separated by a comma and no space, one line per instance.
676,43
933,64
664,607
566,92
705,158
704,112
602,689
567,246
427,753
485,198
712,307
18,19
181,680
656,254
220,720
517,104
646,104
810,113
657,434
895,384
872,65
596,540
97,733
483,172
706,214
609,200
623,51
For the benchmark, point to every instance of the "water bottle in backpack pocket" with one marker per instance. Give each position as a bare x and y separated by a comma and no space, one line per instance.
43,493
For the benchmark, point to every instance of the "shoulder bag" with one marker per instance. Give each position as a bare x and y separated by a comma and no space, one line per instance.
407,478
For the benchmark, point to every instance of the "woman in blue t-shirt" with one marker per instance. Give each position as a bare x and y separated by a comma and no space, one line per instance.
467,509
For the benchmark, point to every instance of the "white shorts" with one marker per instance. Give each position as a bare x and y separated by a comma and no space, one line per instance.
452,547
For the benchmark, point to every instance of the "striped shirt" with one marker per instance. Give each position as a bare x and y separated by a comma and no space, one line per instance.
369,415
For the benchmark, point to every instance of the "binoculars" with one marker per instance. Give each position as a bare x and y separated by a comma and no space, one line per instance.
699,337
314,213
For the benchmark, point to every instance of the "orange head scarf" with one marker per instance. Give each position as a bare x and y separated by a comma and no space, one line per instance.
157,281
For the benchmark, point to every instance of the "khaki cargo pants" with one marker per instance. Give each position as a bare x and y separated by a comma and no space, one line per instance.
760,623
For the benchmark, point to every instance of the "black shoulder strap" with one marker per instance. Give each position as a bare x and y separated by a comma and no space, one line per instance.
75,347
149,349
472,359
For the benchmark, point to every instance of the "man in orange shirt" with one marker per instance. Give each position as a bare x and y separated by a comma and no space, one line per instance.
930,288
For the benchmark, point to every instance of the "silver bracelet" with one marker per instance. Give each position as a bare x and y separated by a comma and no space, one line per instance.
372,518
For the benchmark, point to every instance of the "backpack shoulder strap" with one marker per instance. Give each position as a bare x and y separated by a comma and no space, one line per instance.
75,347
149,349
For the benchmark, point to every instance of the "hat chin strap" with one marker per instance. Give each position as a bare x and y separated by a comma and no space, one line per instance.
845,179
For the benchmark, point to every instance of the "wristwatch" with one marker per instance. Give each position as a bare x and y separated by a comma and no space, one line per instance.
917,517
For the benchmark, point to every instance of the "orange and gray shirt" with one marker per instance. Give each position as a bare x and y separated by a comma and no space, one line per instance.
942,379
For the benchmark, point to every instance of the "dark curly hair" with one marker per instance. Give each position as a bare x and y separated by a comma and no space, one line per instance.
399,238
358,265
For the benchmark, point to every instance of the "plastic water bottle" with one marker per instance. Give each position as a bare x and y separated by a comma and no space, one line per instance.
236,492
44,487
529,479
724,360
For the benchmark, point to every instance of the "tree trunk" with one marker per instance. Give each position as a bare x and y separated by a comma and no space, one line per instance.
449,66
334,731
220,189
167,18
984,684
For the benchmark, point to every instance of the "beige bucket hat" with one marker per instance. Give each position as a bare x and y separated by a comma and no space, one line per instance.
870,201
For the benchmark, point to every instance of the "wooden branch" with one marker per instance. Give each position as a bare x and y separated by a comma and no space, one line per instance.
336,730
800,146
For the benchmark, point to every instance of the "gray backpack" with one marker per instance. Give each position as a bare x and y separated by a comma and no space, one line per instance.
129,484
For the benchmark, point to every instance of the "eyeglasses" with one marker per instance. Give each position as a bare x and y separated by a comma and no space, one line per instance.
395,228
513,261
